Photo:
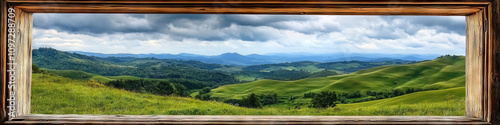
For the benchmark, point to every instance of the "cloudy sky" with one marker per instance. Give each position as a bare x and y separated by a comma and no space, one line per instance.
249,34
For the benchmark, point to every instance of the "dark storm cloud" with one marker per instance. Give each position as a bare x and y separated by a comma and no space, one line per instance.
385,32
282,22
92,23
307,28
441,23
194,33
449,24
224,27
262,20
206,27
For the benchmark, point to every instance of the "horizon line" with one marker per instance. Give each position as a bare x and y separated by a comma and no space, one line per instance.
293,53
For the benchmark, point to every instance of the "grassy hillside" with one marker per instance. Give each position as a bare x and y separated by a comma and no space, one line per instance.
54,59
192,74
310,66
434,96
52,94
438,102
418,75
442,73
303,69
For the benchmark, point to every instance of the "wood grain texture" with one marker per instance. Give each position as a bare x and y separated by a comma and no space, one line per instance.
253,10
23,59
3,59
243,123
493,89
322,7
204,119
474,68
266,1
486,67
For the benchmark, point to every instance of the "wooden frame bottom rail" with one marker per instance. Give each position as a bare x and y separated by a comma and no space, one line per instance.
243,119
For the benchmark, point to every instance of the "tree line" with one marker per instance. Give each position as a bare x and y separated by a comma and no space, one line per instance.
375,95
352,66
157,87
254,101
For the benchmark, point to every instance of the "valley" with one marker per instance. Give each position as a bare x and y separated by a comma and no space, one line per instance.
52,94
127,84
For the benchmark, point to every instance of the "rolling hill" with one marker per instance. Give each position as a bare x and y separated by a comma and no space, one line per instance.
53,94
310,66
441,73
438,102
195,74
192,74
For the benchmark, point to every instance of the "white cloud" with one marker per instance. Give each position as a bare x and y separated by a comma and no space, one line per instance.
368,46
206,35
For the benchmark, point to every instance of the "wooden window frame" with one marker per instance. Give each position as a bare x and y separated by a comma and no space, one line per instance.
482,54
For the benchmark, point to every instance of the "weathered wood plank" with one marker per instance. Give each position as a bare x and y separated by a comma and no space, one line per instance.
265,1
245,123
493,89
23,62
474,68
486,67
294,11
204,119
240,118
368,8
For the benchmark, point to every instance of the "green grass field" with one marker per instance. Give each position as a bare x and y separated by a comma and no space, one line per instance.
441,73
53,94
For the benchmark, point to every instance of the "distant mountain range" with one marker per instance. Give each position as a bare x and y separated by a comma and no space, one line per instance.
256,59
196,74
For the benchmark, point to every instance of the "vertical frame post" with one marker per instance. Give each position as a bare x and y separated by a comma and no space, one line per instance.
23,42
492,113
474,60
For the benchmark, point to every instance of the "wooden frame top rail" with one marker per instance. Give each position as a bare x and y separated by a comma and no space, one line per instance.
265,1
314,7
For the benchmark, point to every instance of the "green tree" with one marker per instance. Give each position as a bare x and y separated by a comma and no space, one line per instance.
204,97
205,90
158,87
35,69
398,92
268,99
324,99
252,101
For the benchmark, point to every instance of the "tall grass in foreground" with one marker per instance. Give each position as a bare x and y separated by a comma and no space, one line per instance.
52,94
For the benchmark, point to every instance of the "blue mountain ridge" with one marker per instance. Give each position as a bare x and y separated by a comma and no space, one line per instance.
257,59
